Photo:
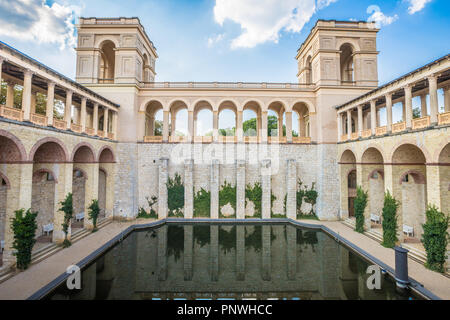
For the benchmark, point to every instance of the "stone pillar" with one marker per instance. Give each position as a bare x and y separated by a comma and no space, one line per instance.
10,94
68,109
83,115
50,103
188,253
349,124
291,254
447,99
289,127
433,186
408,106
280,125
291,186
373,116
389,112
26,94
166,126
64,172
162,195
240,253
95,119
360,120
434,109
423,105
115,117
189,188
190,125
266,252
214,252
340,131
91,189
214,189
215,126
33,101
239,126
263,130
240,189
266,177
105,121
173,122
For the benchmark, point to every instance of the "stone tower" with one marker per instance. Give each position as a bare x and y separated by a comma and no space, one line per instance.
114,51
342,53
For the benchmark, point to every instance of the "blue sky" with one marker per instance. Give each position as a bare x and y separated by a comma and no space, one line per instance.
231,40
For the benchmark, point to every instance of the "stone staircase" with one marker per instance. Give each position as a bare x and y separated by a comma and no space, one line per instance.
52,248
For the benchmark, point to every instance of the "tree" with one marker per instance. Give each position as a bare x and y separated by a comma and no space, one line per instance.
24,228
360,205
390,221
158,128
416,113
67,209
94,211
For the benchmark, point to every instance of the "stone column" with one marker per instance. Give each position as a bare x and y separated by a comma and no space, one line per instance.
166,126
423,105
389,112
115,117
64,172
50,103
33,101
434,109
433,186
240,253
215,126
68,109
280,125
95,119
188,188
10,94
349,124
289,127
194,134
105,121
190,125
360,120
408,106
263,130
188,253
291,186
91,189
447,99
373,116
239,126
214,252
26,94
162,195
266,252
266,177
83,115
214,189
340,131
240,189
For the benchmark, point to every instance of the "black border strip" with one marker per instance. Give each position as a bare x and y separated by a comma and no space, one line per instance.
415,286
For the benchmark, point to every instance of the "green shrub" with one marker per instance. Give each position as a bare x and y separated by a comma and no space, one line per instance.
390,221
94,211
435,238
254,194
24,228
300,196
360,205
310,196
227,195
175,196
202,204
67,209
144,214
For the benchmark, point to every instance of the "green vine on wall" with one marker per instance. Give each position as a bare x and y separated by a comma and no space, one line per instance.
142,214
435,238
390,221
202,204
360,205
175,196
227,195
24,229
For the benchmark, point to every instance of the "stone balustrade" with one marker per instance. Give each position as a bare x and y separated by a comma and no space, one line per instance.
421,123
38,119
381,131
11,113
398,127
444,118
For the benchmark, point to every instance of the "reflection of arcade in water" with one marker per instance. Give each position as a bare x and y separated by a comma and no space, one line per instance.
227,262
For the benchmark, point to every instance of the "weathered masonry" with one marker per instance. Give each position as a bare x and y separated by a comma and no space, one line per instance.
116,135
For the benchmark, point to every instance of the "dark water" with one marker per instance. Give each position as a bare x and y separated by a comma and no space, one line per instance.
228,262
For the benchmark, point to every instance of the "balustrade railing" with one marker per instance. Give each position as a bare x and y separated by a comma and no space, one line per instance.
11,113
421,123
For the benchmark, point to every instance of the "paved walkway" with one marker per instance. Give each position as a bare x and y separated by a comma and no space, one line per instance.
26,283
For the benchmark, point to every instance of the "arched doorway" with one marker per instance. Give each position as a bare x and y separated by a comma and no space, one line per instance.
347,167
106,182
102,192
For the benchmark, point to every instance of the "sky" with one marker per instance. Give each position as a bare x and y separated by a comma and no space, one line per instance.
231,40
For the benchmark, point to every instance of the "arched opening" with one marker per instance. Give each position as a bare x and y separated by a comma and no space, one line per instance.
409,171
347,167
102,192
203,119
373,182
251,120
444,179
179,120
347,68
227,119
154,119
48,165
107,62
276,120
145,66
303,125
106,182
308,71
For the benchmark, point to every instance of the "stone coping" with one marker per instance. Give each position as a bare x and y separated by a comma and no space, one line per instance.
18,287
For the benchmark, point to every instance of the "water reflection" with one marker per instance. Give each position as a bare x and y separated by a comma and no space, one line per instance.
227,262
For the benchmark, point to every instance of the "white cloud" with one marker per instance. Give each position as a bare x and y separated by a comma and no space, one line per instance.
35,20
379,17
263,20
417,5
215,39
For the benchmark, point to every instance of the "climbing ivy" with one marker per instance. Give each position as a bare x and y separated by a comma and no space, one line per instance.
144,214
227,195
202,204
175,196
435,238
306,195
254,194
311,197
67,209
24,229
360,206
390,221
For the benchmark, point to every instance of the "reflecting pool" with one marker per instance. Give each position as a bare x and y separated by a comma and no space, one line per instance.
242,261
